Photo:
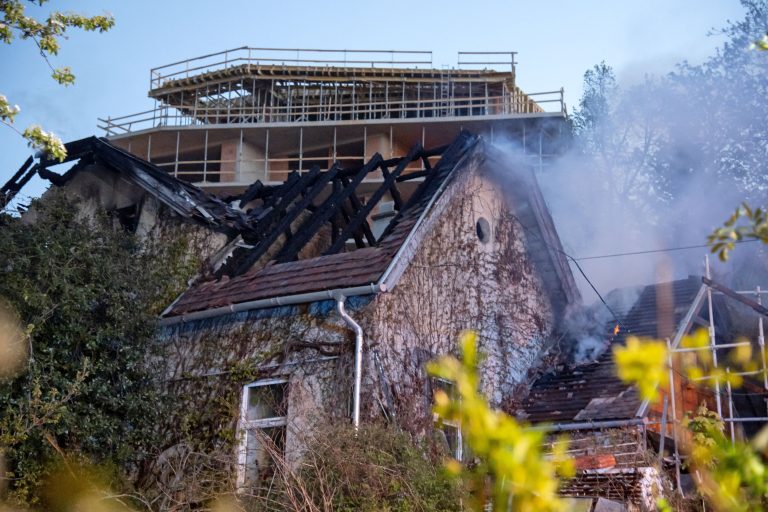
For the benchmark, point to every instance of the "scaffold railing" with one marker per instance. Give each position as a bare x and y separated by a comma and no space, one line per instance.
170,115
287,56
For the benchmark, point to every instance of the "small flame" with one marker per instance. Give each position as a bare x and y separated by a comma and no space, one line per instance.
616,330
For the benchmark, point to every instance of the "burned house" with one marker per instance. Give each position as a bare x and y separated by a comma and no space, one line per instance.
352,217
319,303
349,228
339,329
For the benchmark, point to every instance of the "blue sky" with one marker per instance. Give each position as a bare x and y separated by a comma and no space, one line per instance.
556,40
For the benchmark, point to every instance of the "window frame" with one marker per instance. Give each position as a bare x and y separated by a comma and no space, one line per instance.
244,425
440,423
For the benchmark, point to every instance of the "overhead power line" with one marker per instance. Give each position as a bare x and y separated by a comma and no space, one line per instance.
651,251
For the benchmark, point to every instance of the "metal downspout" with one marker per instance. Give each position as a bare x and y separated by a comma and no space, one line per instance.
358,359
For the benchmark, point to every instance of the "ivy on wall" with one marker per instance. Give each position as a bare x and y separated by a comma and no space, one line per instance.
88,293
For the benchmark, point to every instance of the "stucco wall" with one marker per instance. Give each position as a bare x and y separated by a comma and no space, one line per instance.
456,282
206,363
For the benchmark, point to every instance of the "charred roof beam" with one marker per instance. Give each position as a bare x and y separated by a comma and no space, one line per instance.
291,215
17,182
324,213
393,191
363,227
361,217
279,202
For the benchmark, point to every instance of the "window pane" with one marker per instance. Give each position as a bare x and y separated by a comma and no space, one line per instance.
267,401
442,385
262,446
451,434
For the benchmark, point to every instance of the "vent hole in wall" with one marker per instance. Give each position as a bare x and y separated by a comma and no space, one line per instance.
483,230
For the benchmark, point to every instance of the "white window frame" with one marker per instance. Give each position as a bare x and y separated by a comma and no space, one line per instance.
245,425
458,454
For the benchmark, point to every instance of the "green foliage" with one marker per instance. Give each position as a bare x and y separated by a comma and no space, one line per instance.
723,239
7,111
595,107
732,476
511,460
47,142
706,429
46,33
63,75
642,362
86,290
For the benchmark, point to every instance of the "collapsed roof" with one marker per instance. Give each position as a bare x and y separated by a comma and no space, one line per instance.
593,392
187,200
291,221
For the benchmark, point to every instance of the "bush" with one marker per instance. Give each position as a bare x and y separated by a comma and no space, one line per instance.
85,290
379,469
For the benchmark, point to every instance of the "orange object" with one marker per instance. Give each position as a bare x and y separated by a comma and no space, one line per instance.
594,462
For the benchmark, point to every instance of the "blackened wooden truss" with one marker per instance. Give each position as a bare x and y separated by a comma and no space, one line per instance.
297,210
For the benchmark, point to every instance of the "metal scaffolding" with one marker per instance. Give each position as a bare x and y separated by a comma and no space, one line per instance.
261,85
714,387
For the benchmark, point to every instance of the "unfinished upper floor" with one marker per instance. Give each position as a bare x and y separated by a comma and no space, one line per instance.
226,119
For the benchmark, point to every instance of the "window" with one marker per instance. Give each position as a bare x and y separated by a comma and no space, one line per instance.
448,432
483,229
262,429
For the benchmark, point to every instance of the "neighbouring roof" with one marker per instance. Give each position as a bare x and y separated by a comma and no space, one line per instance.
240,281
592,391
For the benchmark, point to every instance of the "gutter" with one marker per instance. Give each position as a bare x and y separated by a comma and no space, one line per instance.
287,300
588,425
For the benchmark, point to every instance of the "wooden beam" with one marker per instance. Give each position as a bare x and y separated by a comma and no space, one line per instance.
345,210
335,218
309,228
263,245
281,203
356,207
251,193
11,183
393,191
413,175
756,306
362,215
